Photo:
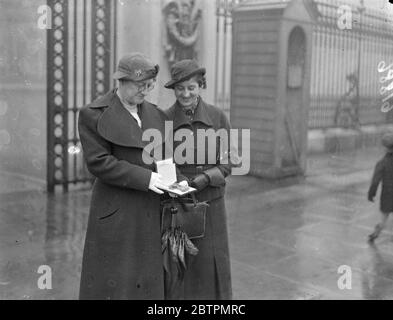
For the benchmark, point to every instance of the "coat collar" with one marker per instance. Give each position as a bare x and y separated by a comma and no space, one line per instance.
117,125
180,118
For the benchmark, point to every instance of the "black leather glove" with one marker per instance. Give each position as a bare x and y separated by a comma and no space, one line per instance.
370,197
200,182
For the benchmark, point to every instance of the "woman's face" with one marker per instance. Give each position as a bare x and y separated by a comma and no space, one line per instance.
187,92
135,92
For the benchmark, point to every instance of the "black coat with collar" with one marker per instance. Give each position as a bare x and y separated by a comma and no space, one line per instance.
122,256
208,274
206,117
383,173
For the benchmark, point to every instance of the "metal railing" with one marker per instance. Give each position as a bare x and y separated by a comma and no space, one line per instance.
80,60
344,74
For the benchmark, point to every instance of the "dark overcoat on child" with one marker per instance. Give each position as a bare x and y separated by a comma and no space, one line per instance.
383,172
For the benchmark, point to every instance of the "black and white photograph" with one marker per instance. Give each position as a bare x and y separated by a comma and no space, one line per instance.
196,150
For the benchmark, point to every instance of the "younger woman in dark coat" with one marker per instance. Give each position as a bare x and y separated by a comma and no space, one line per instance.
383,172
208,274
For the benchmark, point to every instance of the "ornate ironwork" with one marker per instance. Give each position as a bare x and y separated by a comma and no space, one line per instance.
65,96
57,95
101,47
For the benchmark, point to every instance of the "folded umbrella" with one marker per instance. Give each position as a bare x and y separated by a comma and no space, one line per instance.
175,243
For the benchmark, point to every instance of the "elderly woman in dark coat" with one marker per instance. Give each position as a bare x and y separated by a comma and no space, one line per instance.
122,257
208,274
383,172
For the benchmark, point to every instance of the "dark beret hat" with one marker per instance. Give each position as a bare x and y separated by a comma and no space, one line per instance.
136,67
182,71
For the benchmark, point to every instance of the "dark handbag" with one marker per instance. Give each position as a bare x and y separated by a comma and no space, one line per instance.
186,213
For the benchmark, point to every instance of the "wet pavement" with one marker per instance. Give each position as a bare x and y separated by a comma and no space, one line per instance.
288,238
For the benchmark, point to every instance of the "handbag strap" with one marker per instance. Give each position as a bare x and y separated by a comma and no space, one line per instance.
194,198
182,201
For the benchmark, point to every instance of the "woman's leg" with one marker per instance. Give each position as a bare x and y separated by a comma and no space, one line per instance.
379,227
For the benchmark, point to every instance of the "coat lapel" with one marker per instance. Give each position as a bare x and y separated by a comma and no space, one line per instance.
116,124
202,114
151,117
180,119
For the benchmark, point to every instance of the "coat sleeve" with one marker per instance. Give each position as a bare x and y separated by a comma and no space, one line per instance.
377,177
218,173
99,160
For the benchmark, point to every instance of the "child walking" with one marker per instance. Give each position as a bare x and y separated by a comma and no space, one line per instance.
383,172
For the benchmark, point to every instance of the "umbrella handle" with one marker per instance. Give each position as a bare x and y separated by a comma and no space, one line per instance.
174,211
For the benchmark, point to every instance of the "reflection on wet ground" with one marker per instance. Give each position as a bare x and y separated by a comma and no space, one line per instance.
35,230
287,238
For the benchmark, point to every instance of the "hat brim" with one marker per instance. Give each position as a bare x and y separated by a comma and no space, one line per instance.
170,84
120,75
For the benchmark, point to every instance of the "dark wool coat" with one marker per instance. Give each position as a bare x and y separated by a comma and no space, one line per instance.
122,255
383,172
208,274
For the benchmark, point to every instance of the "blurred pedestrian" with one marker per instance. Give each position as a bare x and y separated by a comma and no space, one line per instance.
383,172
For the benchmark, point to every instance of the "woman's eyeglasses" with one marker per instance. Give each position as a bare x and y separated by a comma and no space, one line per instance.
148,86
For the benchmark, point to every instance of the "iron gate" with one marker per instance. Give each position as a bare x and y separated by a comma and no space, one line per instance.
344,66
344,77
80,60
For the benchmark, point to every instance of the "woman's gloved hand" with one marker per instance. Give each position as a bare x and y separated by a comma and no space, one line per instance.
200,182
